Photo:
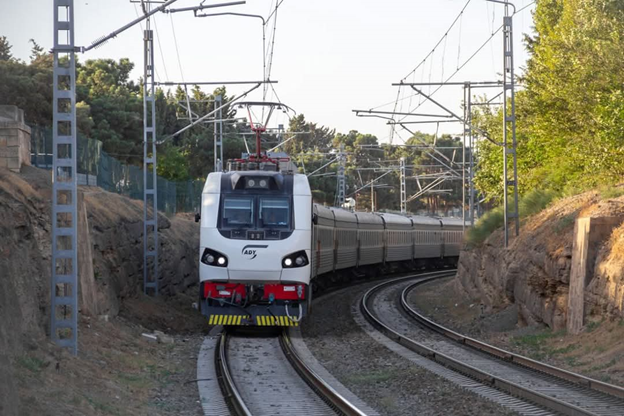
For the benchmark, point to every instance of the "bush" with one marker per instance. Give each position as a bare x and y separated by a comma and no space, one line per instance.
530,204
486,225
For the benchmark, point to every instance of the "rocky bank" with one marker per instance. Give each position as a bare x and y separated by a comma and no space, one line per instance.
534,271
110,261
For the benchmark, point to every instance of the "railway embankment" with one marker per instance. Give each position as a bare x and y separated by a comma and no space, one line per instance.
534,272
518,298
122,367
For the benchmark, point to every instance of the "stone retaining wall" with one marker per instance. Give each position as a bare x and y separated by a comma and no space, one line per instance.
14,138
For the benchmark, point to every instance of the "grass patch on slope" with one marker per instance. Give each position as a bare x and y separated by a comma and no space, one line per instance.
530,204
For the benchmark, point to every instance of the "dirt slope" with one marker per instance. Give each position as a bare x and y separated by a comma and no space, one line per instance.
110,268
533,273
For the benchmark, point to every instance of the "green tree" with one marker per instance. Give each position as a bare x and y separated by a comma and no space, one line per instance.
569,117
5,49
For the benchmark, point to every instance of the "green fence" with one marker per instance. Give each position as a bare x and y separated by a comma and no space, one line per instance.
97,168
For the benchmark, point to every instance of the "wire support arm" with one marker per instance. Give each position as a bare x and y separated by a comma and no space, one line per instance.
434,150
371,182
483,132
199,120
201,7
172,83
99,42
393,113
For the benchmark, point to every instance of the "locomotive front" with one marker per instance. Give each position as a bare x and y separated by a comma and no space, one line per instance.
256,232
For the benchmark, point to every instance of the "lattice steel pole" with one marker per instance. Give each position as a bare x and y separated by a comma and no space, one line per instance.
64,290
340,177
403,190
150,193
509,126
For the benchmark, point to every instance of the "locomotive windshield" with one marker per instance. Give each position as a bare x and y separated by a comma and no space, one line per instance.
238,212
274,213
256,217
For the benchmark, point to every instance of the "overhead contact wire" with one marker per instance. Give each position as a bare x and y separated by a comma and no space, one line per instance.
162,56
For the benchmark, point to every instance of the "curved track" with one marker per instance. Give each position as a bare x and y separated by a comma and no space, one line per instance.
256,380
552,388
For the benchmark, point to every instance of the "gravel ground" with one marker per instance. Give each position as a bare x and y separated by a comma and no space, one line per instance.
380,377
177,393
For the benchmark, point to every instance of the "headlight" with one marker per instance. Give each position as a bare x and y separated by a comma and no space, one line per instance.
214,258
298,259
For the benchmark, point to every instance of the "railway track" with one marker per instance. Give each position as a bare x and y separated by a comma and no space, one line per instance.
256,379
549,387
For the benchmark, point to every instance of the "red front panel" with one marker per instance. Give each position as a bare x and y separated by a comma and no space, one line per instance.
279,291
285,292
223,290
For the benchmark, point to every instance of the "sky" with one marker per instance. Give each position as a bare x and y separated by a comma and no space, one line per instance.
330,57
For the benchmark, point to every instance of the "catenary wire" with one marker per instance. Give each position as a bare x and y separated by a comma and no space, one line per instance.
162,56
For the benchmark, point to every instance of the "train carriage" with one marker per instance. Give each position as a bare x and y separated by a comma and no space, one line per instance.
346,239
370,238
427,237
398,238
452,236
323,244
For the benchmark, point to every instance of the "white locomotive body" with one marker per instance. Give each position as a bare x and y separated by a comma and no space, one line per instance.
264,246
255,248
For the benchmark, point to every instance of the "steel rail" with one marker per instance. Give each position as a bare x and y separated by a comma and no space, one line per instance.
230,391
484,377
566,375
316,383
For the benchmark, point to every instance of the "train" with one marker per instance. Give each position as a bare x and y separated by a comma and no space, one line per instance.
265,246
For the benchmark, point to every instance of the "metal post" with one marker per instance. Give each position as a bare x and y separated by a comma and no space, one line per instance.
218,145
220,115
403,190
64,291
509,126
340,177
471,195
466,127
150,196
372,196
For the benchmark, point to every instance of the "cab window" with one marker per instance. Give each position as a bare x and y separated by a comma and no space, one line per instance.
274,213
238,212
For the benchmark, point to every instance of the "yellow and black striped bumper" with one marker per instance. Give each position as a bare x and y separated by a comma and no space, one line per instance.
225,319
259,320
275,321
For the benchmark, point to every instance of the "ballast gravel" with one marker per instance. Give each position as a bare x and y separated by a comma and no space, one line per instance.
383,379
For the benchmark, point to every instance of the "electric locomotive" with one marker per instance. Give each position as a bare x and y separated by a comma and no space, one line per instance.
255,248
